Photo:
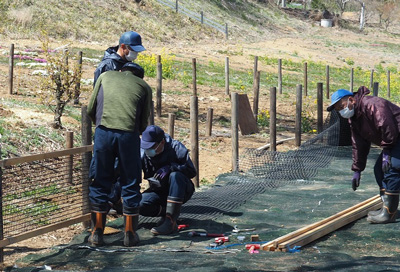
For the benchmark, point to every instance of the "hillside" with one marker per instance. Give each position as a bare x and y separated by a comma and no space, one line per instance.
102,21
256,28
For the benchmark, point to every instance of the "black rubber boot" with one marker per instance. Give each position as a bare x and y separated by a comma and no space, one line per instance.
98,224
383,196
162,214
388,213
172,213
131,237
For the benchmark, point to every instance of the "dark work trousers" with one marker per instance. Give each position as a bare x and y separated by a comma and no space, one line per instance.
179,186
110,144
390,180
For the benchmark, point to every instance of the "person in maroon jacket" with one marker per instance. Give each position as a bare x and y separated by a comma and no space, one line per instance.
374,120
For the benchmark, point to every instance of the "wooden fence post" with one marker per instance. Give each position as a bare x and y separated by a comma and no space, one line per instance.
77,92
388,83
1,213
194,77
305,79
280,76
256,94
69,139
235,131
299,102
202,17
11,70
371,81
151,116
176,6
171,124
272,122
255,69
209,121
86,132
194,136
327,82
159,86
351,79
319,107
227,75
376,88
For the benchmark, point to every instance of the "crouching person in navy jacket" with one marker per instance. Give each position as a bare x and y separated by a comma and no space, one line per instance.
168,168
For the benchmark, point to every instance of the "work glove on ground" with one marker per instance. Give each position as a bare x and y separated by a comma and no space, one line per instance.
386,162
162,173
356,180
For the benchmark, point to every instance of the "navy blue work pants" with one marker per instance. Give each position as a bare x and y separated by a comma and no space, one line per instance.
179,187
390,180
110,144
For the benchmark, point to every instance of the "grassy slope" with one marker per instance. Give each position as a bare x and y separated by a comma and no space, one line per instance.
104,20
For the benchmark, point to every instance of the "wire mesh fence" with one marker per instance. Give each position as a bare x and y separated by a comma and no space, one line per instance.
43,190
196,16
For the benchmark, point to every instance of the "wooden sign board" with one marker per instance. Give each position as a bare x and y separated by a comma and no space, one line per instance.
246,120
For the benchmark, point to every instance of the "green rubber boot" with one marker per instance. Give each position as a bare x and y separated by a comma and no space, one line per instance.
383,196
169,224
388,213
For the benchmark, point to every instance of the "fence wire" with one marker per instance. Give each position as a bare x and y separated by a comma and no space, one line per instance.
53,190
39,193
261,170
194,15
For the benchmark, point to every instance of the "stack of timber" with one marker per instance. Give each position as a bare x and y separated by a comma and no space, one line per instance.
319,229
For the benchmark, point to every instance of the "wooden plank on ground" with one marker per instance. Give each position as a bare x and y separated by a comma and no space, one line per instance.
247,122
272,245
328,227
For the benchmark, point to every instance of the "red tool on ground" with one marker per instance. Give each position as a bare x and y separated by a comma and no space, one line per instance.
253,248
182,227
221,240
205,234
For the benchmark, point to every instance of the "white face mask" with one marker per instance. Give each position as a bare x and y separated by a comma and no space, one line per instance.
131,56
346,113
151,152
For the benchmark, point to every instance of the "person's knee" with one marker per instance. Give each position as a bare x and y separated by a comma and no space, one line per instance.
177,178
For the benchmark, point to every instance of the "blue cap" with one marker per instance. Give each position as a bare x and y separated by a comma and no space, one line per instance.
150,136
132,39
336,96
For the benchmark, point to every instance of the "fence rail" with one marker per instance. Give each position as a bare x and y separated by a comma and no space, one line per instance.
196,16
42,193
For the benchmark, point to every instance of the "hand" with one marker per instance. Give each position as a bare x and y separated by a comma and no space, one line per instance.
162,173
386,162
356,180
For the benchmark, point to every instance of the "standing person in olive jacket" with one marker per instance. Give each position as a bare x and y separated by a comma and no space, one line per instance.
120,107
130,44
168,168
373,120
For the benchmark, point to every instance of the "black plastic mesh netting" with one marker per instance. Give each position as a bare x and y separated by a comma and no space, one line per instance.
261,170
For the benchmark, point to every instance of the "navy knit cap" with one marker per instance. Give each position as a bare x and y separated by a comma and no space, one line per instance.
132,39
152,135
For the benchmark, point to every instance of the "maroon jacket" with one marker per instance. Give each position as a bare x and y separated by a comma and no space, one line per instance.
376,120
